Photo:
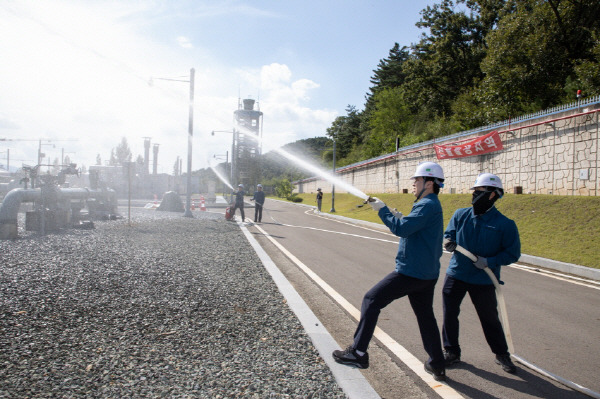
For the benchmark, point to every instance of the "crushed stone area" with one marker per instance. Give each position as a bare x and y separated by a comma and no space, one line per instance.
167,307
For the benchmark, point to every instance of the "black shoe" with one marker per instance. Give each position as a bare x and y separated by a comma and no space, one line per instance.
438,374
506,363
451,358
351,358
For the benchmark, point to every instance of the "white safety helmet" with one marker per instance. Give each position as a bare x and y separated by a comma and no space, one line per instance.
259,185
489,180
241,185
429,169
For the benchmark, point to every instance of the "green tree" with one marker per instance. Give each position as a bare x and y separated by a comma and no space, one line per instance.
389,74
391,119
534,54
347,131
587,73
122,152
113,158
446,61
283,188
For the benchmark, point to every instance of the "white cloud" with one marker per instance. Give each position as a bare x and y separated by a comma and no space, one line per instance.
274,76
184,42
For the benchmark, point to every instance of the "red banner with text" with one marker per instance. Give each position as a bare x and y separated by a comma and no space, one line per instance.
481,145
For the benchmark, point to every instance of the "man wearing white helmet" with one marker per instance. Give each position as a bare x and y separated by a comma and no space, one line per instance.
259,201
239,202
494,238
416,273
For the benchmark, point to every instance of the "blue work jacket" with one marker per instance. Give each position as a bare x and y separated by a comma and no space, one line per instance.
239,198
259,197
420,233
491,235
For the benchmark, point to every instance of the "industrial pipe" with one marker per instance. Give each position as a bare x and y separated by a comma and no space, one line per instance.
12,202
10,209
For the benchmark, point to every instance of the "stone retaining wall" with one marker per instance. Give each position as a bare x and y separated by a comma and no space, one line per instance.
557,154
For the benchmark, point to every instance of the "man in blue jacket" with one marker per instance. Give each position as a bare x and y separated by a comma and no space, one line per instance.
259,201
417,271
494,238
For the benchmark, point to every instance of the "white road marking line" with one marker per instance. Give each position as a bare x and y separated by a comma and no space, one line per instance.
441,388
339,232
558,276
350,224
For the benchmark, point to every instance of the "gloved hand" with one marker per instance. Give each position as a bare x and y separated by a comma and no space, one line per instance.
396,213
481,262
377,204
449,245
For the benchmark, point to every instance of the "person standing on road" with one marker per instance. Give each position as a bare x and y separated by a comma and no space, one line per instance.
494,238
319,199
259,201
417,271
239,202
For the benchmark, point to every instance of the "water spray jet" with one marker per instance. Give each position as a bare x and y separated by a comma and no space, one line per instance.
314,169
221,177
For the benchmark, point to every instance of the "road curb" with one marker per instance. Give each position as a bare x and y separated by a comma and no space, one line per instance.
570,268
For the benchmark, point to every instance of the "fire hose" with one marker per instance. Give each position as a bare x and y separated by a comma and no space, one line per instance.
506,328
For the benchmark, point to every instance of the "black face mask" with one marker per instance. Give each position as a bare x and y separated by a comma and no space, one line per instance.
482,202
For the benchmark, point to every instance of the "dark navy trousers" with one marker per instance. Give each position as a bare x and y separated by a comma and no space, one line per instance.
258,207
420,295
241,208
484,300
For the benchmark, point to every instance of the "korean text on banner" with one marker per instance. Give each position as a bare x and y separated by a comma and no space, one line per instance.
481,145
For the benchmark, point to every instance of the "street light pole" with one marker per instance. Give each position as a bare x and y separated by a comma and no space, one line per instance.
333,184
188,199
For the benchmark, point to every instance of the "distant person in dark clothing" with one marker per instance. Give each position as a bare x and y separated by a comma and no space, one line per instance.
239,202
259,201
319,199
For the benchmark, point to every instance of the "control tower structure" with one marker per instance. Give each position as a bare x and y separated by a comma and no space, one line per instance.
247,142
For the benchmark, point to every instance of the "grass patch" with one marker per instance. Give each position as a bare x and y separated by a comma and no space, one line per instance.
562,228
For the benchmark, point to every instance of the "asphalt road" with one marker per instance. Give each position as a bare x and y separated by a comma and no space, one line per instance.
555,323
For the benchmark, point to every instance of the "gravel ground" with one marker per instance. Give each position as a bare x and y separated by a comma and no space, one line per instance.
167,307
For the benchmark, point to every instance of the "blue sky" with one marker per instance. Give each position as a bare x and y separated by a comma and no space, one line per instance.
76,72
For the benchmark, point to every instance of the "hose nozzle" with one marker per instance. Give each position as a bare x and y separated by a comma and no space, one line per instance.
370,199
